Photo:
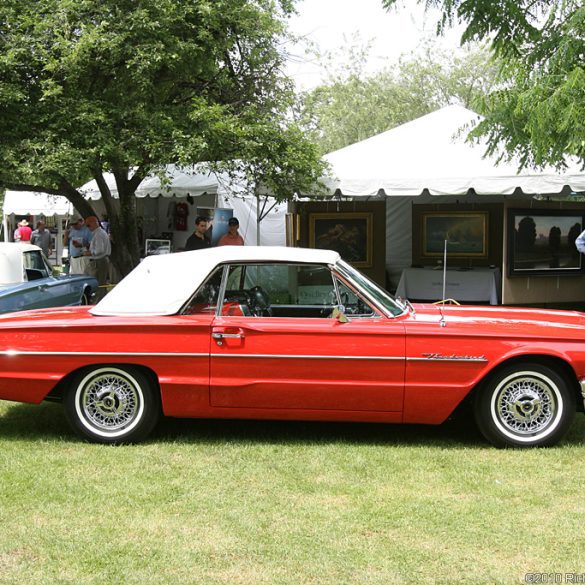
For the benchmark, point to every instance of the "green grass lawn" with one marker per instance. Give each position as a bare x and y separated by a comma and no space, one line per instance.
267,503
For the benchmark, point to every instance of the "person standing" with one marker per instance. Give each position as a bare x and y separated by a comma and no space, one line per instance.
198,240
41,237
98,253
232,238
77,239
23,232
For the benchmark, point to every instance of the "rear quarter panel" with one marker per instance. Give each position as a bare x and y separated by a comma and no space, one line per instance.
37,351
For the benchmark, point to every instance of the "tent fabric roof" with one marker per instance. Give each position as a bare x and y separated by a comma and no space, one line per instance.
192,181
33,203
431,153
231,191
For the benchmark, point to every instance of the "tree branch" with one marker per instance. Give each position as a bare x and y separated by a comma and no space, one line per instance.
35,188
79,201
107,197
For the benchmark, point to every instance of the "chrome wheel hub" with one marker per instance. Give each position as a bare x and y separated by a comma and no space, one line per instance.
110,401
526,405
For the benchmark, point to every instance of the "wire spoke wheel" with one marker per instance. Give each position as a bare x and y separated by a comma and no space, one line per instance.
111,404
525,405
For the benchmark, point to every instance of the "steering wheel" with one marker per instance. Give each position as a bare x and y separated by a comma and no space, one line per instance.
260,302
211,293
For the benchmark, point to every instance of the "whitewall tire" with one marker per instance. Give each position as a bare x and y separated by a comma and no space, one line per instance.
112,404
525,405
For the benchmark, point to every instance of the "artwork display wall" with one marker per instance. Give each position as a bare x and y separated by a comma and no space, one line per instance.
465,234
350,234
542,242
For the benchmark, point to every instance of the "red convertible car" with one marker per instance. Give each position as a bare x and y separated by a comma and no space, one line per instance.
289,333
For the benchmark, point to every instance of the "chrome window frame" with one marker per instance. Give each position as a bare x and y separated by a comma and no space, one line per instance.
340,269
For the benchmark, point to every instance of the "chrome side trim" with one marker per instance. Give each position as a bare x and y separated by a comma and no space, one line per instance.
307,357
15,352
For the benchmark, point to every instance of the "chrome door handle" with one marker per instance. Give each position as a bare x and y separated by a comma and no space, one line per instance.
227,335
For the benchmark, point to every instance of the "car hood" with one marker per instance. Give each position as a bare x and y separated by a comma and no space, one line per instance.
504,321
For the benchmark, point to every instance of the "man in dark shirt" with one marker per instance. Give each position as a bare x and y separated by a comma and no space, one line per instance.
197,240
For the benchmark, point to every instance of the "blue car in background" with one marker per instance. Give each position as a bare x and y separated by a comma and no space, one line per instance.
27,281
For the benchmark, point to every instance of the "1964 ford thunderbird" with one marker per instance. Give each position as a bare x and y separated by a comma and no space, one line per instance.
289,333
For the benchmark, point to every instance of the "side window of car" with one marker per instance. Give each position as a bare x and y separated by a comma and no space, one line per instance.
34,266
280,290
204,301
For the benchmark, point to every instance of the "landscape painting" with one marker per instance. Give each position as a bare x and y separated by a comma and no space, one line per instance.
464,232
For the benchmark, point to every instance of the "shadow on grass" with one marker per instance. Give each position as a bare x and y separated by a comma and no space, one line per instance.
47,422
452,434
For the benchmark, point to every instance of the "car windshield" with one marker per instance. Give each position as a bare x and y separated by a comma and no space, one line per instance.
382,298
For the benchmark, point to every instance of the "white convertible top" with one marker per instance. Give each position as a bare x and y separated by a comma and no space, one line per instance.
161,285
11,266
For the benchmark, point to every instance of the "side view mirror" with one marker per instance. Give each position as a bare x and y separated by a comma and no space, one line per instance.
339,315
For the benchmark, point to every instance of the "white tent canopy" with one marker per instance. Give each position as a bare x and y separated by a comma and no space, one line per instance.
33,203
229,192
431,153
182,182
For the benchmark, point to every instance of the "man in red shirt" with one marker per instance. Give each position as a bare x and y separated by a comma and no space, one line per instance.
23,232
232,238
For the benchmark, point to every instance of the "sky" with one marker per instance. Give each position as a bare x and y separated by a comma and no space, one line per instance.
327,22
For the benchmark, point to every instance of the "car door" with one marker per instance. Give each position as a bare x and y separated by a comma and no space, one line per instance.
279,345
44,290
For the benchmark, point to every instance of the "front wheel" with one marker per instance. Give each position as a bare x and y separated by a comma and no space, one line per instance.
109,404
525,405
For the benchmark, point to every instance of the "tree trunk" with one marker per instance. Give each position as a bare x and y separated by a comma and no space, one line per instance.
123,221
121,213
124,228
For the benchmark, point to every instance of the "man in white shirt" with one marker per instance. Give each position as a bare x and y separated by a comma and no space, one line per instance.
99,253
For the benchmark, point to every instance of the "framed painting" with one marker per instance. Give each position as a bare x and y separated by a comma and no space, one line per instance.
542,242
155,247
350,234
465,234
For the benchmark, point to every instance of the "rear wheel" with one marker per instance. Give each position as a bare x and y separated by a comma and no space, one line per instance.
85,297
109,404
525,405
